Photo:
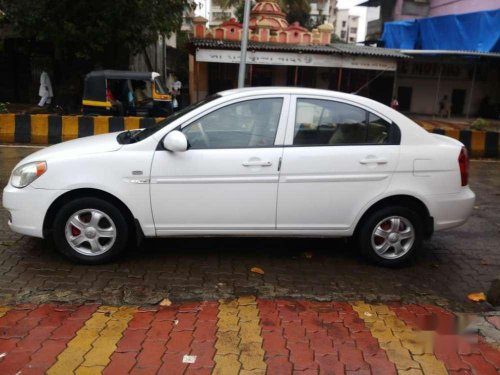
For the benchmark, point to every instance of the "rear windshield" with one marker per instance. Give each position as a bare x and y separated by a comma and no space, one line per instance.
150,130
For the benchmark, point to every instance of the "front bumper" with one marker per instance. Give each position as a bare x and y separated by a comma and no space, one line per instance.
451,210
28,207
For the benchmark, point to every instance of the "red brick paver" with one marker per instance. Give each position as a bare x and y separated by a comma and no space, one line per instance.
295,337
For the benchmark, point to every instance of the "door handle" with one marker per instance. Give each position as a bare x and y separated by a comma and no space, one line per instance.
257,163
373,161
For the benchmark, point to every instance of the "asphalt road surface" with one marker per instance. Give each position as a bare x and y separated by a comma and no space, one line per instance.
452,264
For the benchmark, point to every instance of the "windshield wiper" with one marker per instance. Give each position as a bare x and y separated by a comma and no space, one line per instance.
128,136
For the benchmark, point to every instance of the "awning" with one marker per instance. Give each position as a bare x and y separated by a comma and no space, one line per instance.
333,55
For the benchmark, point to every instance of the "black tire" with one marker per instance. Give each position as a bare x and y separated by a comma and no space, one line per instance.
369,224
122,230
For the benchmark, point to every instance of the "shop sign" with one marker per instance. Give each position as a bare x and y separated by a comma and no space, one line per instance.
296,59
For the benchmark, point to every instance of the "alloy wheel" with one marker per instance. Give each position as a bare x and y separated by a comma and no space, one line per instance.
393,237
90,232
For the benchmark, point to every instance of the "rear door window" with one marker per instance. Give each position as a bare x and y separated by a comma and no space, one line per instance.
326,122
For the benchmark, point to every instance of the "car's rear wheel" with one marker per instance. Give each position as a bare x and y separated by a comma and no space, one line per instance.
90,231
391,236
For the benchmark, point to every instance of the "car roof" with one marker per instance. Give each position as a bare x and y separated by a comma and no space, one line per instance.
277,90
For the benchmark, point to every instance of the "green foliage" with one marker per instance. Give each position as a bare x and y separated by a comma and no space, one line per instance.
480,124
240,10
182,56
297,11
227,4
88,29
4,108
336,39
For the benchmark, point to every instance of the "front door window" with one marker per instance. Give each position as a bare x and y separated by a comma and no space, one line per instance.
248,124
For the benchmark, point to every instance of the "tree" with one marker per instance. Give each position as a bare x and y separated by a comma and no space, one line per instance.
240,10
227,4
337,39
99,31
297,11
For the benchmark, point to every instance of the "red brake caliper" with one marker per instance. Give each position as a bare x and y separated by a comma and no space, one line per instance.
75,231
385,226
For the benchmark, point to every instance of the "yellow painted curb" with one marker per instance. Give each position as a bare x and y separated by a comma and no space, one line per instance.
90,350
411,351
239,341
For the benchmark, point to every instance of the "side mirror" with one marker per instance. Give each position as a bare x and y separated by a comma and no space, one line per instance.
175,141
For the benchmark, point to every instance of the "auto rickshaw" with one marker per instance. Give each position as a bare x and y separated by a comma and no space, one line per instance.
125,93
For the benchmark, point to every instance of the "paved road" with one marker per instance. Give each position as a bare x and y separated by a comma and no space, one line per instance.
453,264
244,336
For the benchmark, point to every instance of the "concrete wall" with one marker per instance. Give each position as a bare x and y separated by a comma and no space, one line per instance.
351,21
424,91
443,7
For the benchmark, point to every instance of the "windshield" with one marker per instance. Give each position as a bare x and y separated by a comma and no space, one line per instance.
159,87
154,128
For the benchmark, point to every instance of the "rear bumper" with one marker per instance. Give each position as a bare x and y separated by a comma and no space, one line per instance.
27,208
451,210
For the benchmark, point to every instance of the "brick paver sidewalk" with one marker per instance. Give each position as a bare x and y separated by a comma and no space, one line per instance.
243,336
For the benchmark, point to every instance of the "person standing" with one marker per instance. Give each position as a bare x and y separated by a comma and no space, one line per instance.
444,107
45,91
176,92
394,104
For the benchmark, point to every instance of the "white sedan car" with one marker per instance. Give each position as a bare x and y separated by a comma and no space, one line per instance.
248,162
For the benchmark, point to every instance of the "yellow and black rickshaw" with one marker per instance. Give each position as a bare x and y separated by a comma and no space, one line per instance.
125,93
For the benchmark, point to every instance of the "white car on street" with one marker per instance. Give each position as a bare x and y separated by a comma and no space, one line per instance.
248,162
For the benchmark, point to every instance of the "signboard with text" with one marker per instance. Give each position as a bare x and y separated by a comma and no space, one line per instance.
297,59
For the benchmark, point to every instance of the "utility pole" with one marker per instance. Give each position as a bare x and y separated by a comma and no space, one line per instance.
244,44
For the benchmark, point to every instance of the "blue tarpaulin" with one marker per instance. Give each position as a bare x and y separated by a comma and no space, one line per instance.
479,31
401,34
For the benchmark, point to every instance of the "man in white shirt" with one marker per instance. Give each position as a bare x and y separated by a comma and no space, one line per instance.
45,92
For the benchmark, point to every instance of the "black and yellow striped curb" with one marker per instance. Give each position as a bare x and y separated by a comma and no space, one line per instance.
481,144
50,129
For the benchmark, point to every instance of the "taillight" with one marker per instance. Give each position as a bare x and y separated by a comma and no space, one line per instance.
463,162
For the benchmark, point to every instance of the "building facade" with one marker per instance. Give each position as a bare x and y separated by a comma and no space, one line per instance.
422,82
280,54
217,14
347,26
395,10
323,11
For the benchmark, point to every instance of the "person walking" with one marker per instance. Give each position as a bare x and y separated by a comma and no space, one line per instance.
45,91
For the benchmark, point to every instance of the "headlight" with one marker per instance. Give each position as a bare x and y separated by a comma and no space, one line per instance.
27,173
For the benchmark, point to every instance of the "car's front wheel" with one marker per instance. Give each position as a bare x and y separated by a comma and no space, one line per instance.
391,236
90,231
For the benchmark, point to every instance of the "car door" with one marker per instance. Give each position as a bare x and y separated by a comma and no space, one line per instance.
337,158
227,180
